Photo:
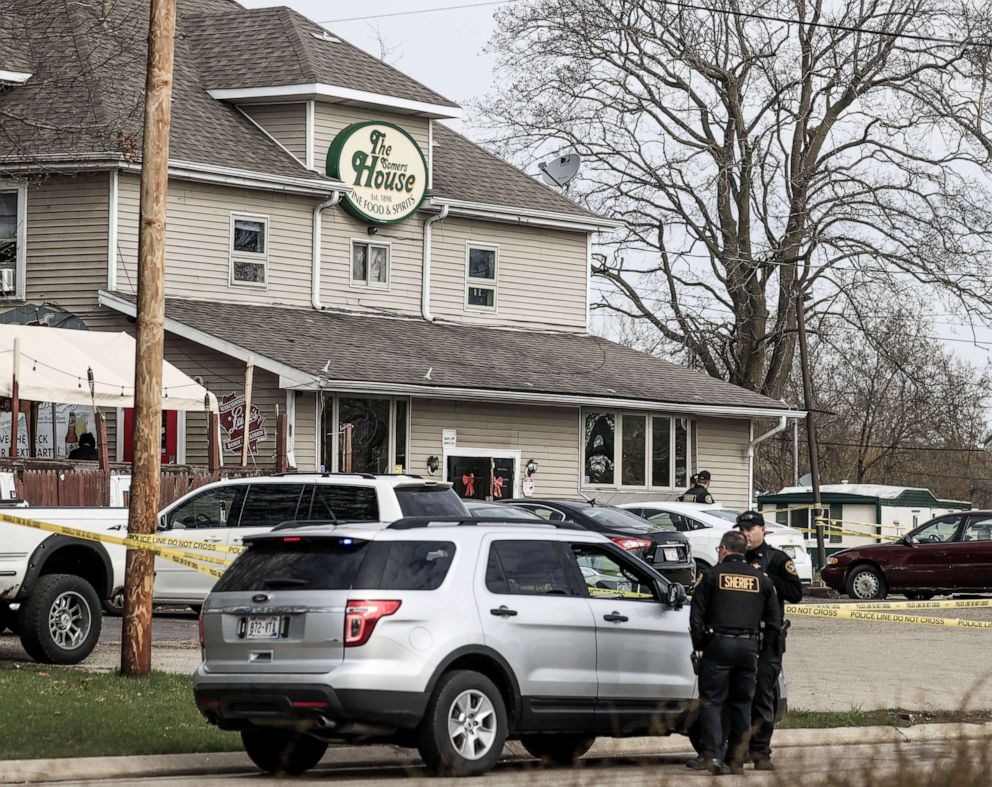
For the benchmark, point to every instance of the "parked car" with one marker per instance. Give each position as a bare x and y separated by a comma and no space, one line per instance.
661,545
949,554
53,585
704,525
446,638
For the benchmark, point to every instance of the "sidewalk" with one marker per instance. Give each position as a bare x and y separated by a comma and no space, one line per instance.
176,765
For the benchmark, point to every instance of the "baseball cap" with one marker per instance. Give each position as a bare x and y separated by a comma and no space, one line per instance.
749,519
703,475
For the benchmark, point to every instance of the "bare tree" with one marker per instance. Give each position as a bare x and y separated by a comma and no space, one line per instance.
758,150
897,407
388,52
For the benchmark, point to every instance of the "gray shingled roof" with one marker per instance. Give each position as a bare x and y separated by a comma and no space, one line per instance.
265,47
12,54
354,347
86,92
465,171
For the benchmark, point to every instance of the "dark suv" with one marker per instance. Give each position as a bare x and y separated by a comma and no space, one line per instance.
666,549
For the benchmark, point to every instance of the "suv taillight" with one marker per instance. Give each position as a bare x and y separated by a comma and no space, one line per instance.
360,618
631,543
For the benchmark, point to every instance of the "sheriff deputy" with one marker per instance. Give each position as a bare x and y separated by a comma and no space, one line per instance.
699,489
730,603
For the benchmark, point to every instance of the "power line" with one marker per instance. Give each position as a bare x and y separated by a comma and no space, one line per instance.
694,7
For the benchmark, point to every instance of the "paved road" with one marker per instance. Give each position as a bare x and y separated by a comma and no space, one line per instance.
808,765
831,664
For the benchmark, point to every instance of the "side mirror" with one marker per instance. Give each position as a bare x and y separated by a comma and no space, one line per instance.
908,540
161,523
676,596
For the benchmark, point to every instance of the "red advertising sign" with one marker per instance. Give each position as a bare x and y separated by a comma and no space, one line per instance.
232,419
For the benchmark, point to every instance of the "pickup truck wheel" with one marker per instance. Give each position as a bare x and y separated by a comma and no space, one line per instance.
464,729
60,621
282,753
562,750
114,606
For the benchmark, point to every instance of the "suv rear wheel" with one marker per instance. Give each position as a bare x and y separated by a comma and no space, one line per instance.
60,621
282,753
557,749
464,729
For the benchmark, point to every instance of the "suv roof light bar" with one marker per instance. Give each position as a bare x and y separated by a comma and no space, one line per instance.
412,522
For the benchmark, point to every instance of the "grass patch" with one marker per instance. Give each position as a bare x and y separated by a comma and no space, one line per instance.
805,719
58,712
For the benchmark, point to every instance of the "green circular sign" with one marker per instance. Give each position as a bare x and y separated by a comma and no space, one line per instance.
385,167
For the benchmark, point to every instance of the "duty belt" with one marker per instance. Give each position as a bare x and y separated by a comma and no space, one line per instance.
737,633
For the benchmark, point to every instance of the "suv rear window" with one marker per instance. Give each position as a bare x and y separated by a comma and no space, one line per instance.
429,501
339,564
307,564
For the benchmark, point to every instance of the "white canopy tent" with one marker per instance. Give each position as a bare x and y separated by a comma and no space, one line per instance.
56,365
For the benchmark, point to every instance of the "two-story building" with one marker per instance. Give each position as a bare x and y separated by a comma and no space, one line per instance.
408,299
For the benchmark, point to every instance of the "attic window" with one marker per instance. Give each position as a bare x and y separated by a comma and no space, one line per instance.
325,36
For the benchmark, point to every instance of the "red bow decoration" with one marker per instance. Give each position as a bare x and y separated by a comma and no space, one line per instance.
498,487
469,481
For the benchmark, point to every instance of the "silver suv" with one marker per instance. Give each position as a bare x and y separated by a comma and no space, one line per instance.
448,635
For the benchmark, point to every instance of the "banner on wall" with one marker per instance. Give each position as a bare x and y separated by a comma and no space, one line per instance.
70,421
232,420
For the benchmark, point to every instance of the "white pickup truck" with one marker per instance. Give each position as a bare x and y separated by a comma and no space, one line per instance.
54,588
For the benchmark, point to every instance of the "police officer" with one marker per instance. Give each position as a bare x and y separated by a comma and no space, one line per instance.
730,603
699,491
789,587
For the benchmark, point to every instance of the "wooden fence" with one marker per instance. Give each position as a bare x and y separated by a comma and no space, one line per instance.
44,483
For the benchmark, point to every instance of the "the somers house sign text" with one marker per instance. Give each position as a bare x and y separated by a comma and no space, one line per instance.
384,166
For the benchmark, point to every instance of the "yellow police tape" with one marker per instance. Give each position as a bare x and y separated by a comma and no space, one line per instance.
181,556
870,606
815,611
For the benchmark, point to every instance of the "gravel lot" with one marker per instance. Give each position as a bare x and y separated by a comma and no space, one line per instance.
831,664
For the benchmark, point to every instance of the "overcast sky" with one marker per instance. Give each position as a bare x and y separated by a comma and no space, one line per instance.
444,50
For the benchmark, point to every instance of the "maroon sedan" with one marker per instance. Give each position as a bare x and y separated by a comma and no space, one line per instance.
950,554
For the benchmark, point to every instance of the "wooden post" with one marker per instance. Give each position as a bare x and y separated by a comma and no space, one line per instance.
282,443
249,375
15,401
136,642
104,453
213,442
33,408
346,447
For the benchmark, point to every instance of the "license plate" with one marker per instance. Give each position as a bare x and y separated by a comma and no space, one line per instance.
671,555
262,627
789,550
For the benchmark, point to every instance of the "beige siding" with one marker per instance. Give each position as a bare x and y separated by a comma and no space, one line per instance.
329,119
286,123
225,375
548,434
305,431
405,243
722,449
541,275
199,236
67,220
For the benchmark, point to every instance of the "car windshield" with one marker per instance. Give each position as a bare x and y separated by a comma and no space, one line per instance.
723,513
429,501
502,512
619,519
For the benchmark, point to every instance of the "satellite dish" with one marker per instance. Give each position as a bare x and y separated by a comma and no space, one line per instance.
561,169
806,480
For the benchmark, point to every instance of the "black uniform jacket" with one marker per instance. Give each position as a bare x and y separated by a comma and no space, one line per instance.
733,595
696,494
780,570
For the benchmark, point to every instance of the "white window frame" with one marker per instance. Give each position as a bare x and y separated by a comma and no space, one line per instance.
20,188
391,437
367,283
618,416
247,256
495,453
490,284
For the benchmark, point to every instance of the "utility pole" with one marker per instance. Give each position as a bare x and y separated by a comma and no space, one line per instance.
814,469
136,633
